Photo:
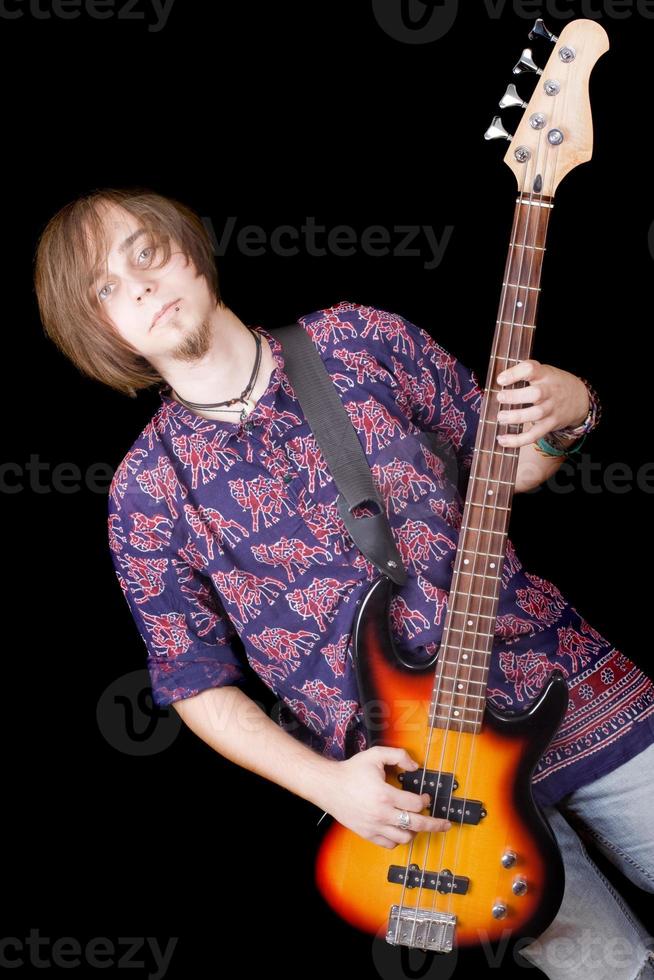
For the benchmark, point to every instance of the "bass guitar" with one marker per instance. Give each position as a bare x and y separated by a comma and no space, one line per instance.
497,875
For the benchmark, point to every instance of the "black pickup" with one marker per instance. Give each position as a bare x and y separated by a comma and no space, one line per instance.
444,882
439,786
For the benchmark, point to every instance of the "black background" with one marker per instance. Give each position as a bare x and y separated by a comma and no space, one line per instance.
272,115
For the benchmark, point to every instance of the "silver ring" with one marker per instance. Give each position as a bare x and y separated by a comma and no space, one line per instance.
404,820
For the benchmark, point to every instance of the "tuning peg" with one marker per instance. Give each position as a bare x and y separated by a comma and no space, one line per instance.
539,30
511,99
527,63
497,131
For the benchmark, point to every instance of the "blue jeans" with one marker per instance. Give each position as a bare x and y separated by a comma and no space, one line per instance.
595,934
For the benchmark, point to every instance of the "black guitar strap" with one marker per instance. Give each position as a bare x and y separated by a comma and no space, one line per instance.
342,449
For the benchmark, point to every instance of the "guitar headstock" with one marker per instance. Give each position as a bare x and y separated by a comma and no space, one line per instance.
555,133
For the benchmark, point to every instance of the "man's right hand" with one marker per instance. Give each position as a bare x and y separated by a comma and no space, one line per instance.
360,798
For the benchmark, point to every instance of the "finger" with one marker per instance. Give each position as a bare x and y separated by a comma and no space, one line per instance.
515,416
403,799
391,756
523,369
419,823
532,394
383,841
397,835
532,434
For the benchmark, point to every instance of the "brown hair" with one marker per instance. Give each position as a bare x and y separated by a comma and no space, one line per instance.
69,248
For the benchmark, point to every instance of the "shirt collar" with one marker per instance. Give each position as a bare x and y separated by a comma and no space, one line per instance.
237,428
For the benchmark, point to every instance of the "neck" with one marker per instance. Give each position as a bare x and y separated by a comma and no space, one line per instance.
216,363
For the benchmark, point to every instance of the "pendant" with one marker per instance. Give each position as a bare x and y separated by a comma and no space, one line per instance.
248,405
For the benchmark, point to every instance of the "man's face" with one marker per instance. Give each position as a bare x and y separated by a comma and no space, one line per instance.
136,287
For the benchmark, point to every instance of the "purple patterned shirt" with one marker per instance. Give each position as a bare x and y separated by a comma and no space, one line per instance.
232,556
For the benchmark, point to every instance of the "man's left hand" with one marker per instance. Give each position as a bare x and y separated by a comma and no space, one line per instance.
555,398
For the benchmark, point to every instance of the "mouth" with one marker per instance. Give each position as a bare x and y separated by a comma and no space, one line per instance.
164,311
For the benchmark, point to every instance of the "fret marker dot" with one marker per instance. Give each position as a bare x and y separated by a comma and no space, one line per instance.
469,622
456,712
466,561
490,493
459,686
519,303
465,656
492,564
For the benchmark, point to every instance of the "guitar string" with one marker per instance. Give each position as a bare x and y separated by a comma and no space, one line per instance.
519,285
502,456
538,215
445,729
520,339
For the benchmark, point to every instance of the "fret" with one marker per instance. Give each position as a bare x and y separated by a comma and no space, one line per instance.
486,554
492,479
460,685
519,285
455,716
494,422
475,595
482,554
493,451
538,248
495,578
459,612
467,706
458,649
460,725
510,323
533,204
477,503
483,530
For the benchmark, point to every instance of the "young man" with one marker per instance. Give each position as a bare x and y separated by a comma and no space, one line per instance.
232,557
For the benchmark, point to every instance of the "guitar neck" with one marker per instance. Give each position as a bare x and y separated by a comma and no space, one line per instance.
461,677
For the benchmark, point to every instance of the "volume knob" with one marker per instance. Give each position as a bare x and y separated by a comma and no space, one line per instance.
509,858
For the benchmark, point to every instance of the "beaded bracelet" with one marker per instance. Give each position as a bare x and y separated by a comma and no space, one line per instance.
556,446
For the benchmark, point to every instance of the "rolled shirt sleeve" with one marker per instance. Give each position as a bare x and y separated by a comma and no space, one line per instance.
190,641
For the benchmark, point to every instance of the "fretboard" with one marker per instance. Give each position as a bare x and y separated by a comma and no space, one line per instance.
461,678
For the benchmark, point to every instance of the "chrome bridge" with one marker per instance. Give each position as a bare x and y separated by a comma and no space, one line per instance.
421,929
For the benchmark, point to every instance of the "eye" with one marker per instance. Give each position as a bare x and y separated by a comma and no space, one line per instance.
148,248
